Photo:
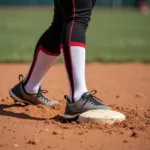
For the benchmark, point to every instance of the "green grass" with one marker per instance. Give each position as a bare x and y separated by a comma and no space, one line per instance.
113,35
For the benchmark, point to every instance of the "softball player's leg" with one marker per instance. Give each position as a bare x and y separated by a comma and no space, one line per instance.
77,15
46,52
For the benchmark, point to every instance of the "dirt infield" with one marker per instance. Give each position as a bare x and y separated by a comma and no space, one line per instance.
126,87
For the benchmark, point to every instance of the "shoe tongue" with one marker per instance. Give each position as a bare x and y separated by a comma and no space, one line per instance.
85,94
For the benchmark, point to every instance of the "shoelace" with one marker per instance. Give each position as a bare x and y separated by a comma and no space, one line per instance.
40,92
93,99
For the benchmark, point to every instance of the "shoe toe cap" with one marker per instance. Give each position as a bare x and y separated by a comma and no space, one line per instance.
105,107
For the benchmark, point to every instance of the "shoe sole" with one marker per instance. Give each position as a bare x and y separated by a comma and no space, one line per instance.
17,99
70,117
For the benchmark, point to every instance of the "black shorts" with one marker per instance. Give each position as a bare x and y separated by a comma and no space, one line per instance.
70,21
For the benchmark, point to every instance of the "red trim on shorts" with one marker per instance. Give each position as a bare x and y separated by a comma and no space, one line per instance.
78,44
74,44
47,52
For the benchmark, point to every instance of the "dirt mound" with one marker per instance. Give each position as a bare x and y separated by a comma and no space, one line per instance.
125,87
137,119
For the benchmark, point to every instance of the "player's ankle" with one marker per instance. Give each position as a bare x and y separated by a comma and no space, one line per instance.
77,95
31,90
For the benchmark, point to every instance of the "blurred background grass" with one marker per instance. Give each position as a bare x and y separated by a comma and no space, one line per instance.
114,35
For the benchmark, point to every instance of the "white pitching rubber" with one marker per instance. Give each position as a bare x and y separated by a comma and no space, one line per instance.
101,116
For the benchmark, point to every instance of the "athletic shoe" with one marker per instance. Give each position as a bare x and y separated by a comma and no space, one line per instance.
87,102
19,94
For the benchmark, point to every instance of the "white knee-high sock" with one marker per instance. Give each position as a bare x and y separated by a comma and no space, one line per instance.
42,64
77,54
